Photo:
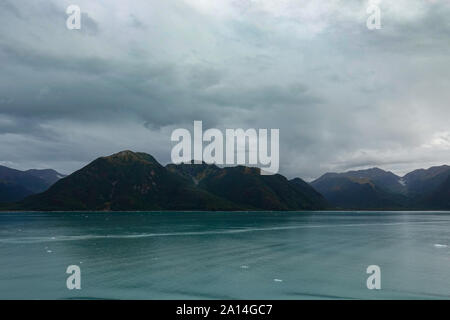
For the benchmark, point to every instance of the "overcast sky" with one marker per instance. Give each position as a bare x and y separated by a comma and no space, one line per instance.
344,97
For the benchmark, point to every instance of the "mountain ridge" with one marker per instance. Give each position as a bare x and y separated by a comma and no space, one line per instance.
136,181
378,189
15,184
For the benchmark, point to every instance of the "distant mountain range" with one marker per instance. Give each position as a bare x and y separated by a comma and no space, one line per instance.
15,185
129,181
378,189
137,182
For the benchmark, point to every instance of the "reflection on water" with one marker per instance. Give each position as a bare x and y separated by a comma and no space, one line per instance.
304,255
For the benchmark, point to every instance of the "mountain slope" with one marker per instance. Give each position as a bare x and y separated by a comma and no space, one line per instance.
50,176
364,189
16,185
384,180
12,192
124,181
251,190
424,181
137,182
310,193
423,189
439,199
429,188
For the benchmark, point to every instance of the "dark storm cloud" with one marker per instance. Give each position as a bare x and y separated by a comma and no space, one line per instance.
343,96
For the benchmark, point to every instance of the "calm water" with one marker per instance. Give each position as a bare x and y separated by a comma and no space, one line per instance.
301,255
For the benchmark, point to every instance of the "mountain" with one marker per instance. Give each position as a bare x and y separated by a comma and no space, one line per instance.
385,180
310,193
378,189
124,181
363,189
429,188
425,180
136,181
129,181
10,192
439,198
49,176
15,185
251,190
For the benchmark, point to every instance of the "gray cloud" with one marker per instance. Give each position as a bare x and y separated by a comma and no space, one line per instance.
343,97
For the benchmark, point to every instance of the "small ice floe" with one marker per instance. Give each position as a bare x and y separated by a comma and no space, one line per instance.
49,251
244,267
53,238
437,245
277,280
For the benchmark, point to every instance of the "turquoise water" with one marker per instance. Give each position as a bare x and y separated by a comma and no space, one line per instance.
304,255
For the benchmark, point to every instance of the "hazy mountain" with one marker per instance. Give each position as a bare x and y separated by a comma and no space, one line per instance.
136,181
16,185
379,189
50,176
423,181
384,180
429,188
363,189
